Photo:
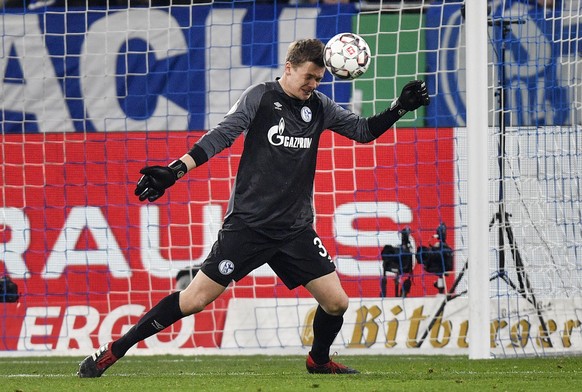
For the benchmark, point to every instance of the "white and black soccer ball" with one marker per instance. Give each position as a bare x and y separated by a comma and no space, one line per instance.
347,56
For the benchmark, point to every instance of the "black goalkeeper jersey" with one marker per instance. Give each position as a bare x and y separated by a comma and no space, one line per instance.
273,190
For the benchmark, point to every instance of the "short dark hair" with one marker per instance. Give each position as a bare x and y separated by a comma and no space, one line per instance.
304,50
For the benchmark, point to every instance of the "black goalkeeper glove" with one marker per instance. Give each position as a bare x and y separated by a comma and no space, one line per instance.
156,179
413,95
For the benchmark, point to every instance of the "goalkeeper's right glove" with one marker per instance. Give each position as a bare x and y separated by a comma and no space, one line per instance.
156,179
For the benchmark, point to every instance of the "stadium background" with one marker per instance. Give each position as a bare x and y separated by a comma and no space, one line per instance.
89,259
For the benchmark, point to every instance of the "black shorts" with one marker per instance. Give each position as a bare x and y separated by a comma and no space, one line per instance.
296,261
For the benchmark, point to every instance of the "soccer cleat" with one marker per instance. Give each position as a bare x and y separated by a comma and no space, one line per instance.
329,368
97,363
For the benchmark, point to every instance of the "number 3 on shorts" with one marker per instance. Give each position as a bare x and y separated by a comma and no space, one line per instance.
322,251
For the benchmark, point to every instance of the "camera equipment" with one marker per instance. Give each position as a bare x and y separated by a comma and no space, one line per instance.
399,261
501,217
438,258
8,290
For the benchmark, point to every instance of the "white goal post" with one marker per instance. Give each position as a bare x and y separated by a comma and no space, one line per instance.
477,180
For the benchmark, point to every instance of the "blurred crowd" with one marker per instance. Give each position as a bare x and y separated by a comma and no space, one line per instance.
35,4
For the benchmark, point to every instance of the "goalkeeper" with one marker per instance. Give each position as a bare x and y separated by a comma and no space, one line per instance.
270,215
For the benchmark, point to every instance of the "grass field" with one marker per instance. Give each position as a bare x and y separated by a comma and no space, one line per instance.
287,373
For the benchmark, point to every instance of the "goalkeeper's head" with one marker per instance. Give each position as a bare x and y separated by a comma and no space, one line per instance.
304,68
304,50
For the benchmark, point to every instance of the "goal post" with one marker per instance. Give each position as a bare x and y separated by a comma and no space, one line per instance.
477,181
415,221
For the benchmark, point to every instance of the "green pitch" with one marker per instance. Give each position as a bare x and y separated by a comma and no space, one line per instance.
287,373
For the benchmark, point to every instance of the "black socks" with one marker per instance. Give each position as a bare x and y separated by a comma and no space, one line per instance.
164,314
325,329
167,312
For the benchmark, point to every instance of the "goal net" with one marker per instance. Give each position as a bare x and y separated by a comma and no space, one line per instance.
93,91
535,158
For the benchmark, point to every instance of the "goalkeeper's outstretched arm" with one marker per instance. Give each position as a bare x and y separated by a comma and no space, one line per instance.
156,179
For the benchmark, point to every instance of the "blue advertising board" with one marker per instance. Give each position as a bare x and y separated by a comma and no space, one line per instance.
164,68
534,53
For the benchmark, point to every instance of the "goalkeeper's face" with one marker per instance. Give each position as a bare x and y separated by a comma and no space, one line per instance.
299,81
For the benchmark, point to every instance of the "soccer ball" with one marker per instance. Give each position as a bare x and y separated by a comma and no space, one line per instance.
347,56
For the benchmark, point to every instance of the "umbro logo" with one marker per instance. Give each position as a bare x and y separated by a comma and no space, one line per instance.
157,325
278,106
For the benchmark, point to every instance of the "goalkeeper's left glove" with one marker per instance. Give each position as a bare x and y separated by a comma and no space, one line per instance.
413,95
156,179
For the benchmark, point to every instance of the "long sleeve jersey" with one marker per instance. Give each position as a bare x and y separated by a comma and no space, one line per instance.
273,190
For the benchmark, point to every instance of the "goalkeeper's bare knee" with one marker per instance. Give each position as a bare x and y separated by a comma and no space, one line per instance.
200,293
